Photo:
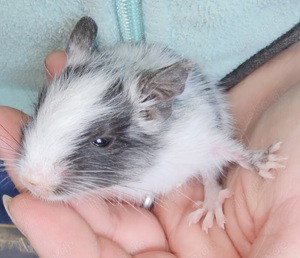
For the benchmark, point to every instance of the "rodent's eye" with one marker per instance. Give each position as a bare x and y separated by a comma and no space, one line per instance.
102,142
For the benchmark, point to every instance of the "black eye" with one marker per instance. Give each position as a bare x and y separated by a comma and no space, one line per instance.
101,142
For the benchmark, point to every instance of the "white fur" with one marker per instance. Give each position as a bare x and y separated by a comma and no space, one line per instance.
193,147
58,126
190,146
68,111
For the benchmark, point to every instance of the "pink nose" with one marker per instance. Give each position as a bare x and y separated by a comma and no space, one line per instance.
37,188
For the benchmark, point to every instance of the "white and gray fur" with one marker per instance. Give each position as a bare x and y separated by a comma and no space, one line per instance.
161,123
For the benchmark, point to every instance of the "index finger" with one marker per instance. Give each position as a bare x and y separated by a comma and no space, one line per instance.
11,121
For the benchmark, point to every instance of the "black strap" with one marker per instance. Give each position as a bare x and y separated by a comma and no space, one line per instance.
261,57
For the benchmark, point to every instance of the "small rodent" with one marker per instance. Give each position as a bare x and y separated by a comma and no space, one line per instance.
131,122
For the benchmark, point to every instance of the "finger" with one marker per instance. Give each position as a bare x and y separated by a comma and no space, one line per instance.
276,238
11,120
53,229
156,254
54,64
134,229
190,240
178,204
255,93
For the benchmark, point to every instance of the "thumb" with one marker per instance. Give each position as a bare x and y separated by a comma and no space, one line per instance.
54,64
53,229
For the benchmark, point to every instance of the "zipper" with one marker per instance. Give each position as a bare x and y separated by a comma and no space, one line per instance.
130,19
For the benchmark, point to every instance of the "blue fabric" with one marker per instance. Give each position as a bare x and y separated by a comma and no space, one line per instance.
6,187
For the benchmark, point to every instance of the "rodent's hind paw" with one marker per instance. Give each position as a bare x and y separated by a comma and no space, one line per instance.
210,209
266,161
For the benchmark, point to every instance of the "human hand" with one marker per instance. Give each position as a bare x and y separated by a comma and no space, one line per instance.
256,215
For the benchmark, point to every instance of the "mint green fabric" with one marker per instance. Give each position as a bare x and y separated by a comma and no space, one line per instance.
218,34
30,30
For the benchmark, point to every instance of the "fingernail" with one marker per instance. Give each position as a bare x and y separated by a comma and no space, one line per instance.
6,202
48,74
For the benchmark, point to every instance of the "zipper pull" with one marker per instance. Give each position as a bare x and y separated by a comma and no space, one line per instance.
130,20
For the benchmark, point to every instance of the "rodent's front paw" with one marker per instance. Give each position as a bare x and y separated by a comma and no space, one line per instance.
209,209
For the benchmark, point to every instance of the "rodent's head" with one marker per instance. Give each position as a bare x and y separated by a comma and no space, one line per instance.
95,125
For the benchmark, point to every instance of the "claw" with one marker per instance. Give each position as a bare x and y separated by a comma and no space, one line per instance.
224,194
209,210
266,174
195,216
274,147
269,161
208,221
197,204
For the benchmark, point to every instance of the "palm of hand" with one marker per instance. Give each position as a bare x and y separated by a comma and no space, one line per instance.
256,215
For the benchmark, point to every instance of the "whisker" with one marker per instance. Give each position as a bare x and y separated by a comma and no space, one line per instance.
3,138
119,195
112,195
7,166
185,196
5,178
135,208
4,168
7,159
94,171
95,181
16,141
8,149
160,203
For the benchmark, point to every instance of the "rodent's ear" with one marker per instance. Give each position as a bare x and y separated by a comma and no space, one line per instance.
82,41
162,86
167,82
